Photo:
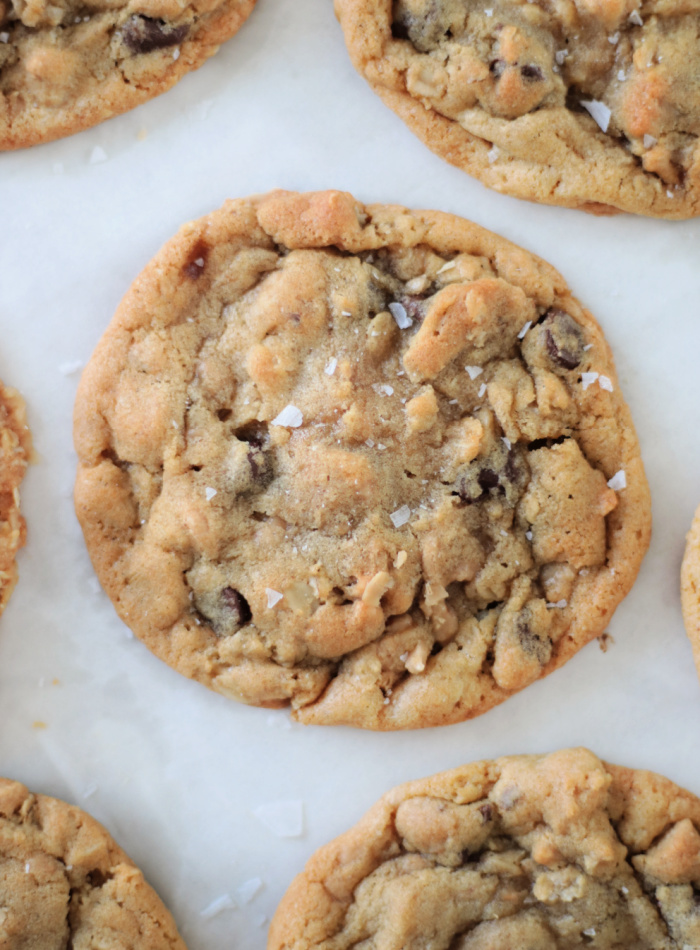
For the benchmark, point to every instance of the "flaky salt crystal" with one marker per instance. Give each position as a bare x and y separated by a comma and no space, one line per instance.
614,39
482,390
98,155
369,443
621,75
649,141
605,383
635,18
560,56
26,867
525,329
587,379
559,603
331,366
474,371
210,492
217,906
590,932
506,442
4,37
493,154
599,111
401,516
587,347
247,891
387,390
398,312
290,417
488,11
618,481
273,597
284,819
448,266
528,535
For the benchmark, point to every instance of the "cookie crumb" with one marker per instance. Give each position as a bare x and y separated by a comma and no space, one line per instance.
290,417
401,516
39,724
217,906
618,481
284,818
605,641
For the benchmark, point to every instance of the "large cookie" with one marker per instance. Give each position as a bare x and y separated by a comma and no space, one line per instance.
15,452
65,883
65,65
583,103
369,461
556,852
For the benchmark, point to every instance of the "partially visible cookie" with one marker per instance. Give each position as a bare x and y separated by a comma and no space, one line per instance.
555,852
368,461
585,104
15,452
65,883
67,65
690,586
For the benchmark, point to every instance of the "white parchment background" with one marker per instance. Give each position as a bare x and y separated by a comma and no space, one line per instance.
173,771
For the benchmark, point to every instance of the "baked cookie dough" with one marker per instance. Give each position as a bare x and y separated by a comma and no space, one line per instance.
555,852
65,883
690,586
15,453
584,104
371,462
67,65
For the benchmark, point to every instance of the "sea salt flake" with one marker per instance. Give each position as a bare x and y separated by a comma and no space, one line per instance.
528,535
381,447
331,366
401,516
176,53
599,111
669,194
290,417
590,932
488,11
605,383
26,867
474,371
587,379
560,56
369,443
247,891
621,76
525,329
493,154
273,597
398,312
618,481
482,390
559,603
210,492
72,366
506,442
624,890
448,266
635,18
4,37
615,38
98,155
284,818
346,313
217,906
587,347
386,389
649,140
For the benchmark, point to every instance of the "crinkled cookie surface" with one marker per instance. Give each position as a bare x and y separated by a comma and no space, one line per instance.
15,453
65,884
591,104
555,852
66,65
370,462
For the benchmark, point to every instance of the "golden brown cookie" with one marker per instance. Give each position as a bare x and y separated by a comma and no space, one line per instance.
690,586
584,104
555,852
65,883
371,462
15,453
65,65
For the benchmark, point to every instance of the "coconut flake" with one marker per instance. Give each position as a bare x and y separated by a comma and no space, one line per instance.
72,366
98,155
618,481
635,18
587,379
599,111
649,141
474,371
247,891
493,154
525,329
398,312
401,516
605,383
217,906
560,56
331,366
290,417
273,597
284,818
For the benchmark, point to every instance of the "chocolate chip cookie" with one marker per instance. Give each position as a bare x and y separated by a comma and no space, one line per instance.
65,883
66,65
554,852
15,453
371,462
584,104
690,586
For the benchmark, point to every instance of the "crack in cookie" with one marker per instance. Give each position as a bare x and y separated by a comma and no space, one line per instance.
353,459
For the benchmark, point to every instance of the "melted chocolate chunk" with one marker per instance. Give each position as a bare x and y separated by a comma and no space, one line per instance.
486,811
532,73
238,606
504,472
423,22
143,34
563,338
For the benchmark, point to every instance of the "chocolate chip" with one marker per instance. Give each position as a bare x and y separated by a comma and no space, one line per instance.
196,261
504,473
532,73
563,338
487,479
143,34
532,643
486,811
238,606
423,22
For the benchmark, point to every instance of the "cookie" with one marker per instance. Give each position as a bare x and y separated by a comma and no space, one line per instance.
690,586
15,453
553,852
583,104
371,462
64,66
65,883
